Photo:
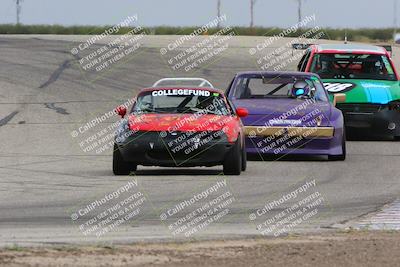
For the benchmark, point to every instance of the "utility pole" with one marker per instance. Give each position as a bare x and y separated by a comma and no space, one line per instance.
252,3
219,13
300,10
18,3
394,19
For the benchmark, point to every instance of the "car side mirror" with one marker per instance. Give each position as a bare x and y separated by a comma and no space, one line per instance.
242,112
339,98
121,110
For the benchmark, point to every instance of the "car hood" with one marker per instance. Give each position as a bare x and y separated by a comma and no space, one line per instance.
176,122
285,112
364,91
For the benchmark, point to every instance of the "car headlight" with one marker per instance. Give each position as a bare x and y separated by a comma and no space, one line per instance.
394,105
122,132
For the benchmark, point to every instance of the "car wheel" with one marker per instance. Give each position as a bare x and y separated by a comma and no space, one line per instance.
233,160
341,157
244,158
121,167
397,138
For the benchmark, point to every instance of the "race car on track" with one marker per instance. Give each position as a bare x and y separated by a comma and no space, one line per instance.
368,78
180,126
289,113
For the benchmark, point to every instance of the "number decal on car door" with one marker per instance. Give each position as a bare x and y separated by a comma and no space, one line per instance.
339,87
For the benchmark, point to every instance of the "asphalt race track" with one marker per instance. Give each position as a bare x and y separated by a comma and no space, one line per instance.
45,176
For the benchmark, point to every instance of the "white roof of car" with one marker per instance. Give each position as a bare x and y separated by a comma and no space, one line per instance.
351,48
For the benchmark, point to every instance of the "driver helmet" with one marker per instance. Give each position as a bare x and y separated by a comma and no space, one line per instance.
300,89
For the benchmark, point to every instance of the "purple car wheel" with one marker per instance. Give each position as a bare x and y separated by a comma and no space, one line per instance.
341,157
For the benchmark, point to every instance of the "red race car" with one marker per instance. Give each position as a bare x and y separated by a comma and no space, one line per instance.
180,126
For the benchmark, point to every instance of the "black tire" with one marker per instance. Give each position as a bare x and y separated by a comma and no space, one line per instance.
341,157
244,158
397,138
233,160
121,167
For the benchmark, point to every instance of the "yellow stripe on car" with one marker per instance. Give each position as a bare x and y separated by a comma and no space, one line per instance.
253,131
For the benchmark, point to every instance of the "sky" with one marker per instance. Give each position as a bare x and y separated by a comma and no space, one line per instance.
281,13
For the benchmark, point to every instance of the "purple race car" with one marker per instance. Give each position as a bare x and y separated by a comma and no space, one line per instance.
289,113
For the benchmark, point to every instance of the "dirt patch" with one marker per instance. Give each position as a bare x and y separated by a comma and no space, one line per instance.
340,249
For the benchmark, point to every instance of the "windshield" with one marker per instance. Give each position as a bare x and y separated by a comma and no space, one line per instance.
250,87
353,66
181,101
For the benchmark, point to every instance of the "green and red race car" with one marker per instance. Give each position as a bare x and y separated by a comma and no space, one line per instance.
367,77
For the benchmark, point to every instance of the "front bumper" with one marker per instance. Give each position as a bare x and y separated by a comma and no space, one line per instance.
175,149
371,120
294,140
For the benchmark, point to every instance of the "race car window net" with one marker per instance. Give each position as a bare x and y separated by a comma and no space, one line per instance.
353,66
168,102
275,87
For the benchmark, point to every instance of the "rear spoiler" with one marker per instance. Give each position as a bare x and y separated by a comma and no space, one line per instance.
301,46
388,48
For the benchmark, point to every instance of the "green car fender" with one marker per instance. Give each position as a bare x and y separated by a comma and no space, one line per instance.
364,91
